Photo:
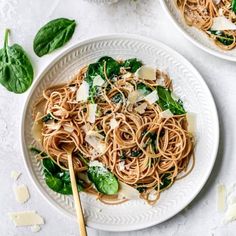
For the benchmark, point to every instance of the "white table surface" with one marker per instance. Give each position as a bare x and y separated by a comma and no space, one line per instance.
144,17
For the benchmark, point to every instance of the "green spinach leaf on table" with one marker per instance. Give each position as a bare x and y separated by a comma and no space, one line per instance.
16,70
53,35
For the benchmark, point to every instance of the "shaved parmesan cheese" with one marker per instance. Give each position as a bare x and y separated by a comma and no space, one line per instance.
129,87
127,75
222,23
59,113
68,128
230,214
122,165
95,134
127,192
15,174
37,128
151,97
166,114
113,123
82,93
146,73
220,11
96,163
141,108
72,88
26,218
216,1
96,143
21,193
92,108
35,228
86,127
133,97
54,126
161,81
98,81
192,123
221,196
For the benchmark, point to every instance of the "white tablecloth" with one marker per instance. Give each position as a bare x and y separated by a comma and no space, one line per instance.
144,17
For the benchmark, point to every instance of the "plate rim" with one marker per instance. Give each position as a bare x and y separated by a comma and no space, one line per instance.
191,39
51,63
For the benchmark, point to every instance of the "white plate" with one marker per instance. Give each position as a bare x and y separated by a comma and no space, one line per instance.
196,36
188,84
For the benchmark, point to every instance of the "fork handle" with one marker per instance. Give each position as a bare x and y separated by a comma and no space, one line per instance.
78,207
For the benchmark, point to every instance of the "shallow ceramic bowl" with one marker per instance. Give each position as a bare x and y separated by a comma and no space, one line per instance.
188,85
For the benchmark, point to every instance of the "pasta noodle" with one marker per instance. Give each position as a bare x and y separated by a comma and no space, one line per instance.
139,146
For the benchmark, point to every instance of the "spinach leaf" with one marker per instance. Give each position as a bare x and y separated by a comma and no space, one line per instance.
56,179
123,156
53,35
136,153
166,181
47,117
167,102
37,151
97,69
16,71
144,89
61,183
112,67
91,73
104,181
141,189
50,167
152,140
117,98
53,183
132,65
222,37
233,5
94,69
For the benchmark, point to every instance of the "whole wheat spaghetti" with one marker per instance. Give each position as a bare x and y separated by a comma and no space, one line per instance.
132,137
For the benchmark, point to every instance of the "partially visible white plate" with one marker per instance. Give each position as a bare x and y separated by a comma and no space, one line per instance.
196,36
188,84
